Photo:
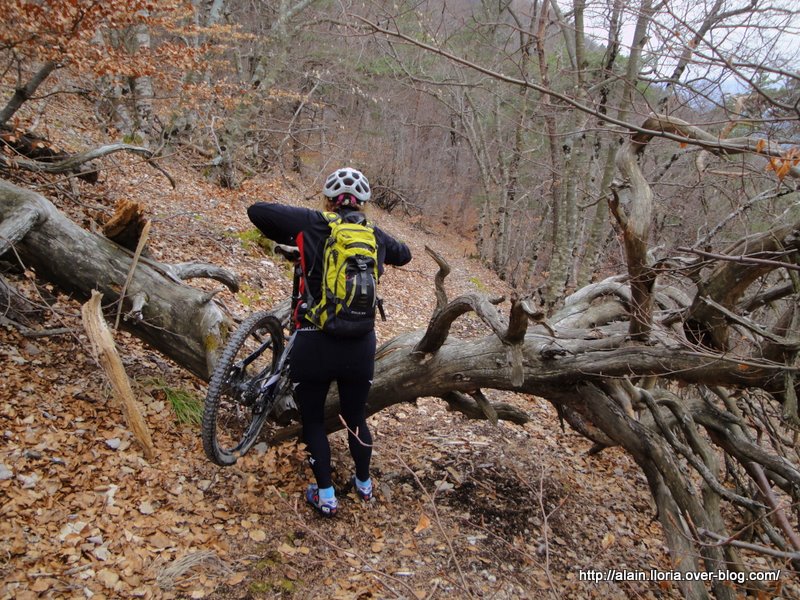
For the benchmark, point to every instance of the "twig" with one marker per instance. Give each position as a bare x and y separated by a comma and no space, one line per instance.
139,247
66,329
34,333
430,499
545,518
777,509
746,323
696,462
763,196
78,160
748,546
742,259
545,527
167,576
438,521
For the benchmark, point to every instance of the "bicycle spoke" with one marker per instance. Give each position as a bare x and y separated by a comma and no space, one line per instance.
236,406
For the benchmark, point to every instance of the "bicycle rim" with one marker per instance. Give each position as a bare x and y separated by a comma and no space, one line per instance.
233,413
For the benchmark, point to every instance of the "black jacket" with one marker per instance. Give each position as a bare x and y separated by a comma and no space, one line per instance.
284,224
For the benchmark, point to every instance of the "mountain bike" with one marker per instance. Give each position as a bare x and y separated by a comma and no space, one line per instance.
250,378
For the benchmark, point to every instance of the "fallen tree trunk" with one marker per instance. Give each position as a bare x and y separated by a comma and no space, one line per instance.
81,165
184,323
546,362
189,327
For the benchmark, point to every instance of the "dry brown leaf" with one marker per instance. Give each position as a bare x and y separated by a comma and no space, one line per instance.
286,549
42,584
258,535
423,523
108,578
159,540
236,578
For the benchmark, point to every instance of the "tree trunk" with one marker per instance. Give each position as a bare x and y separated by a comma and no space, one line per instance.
182,322
633,209
142,85
23,94
268,65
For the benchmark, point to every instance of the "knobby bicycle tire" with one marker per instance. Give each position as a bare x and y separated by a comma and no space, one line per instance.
234,413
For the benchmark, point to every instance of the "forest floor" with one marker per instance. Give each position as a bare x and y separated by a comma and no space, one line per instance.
464,508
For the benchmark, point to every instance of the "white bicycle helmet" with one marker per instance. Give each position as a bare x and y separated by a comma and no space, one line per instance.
347,181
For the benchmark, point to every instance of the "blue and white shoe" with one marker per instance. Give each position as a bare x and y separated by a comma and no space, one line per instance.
364,491
327,508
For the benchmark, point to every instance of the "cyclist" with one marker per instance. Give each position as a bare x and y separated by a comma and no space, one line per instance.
318,358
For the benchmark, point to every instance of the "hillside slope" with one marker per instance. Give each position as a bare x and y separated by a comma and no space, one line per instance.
464,509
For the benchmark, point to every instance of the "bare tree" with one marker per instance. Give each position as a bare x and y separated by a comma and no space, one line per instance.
274,28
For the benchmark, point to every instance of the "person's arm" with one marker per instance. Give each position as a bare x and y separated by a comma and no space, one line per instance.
397,253
280,223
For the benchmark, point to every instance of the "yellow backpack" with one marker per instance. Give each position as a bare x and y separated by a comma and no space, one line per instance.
349,278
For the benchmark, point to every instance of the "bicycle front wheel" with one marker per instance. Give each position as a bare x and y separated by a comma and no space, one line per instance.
235,407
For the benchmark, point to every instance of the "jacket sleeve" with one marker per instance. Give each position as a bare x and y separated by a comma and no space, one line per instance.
280,223
397,253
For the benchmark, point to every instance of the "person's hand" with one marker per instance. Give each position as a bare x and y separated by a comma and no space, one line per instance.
291,253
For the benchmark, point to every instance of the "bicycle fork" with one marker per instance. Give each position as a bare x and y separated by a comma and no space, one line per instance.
267,391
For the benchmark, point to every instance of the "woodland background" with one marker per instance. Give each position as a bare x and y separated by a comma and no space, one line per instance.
490,131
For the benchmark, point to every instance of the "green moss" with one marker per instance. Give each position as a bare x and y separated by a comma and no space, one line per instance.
286,586
282,586
266,564
211,343
478,284
248,295
132,138
253,238
260,587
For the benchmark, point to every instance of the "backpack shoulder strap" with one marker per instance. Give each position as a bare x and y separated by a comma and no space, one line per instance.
331,217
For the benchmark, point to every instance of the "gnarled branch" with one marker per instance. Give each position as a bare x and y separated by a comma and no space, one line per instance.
75,163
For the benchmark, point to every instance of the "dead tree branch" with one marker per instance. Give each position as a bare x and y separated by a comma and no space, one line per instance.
76,162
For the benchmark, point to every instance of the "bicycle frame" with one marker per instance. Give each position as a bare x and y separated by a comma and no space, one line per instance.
281,366
281,369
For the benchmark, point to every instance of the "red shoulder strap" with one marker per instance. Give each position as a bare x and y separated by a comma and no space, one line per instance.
301,290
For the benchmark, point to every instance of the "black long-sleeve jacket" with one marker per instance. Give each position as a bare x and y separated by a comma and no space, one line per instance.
284,224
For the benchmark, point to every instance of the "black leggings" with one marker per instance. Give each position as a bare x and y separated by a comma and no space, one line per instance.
318,359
